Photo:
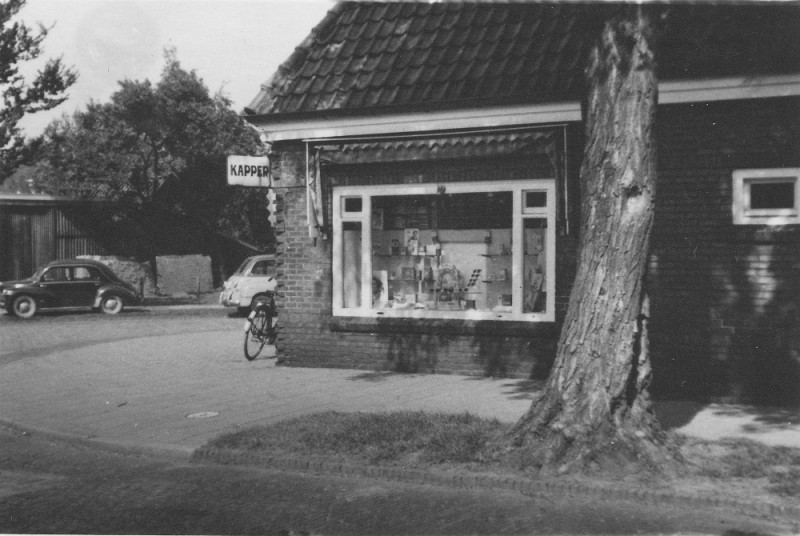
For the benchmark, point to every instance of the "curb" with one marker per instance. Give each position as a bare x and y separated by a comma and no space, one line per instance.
112,447
180,303
525,486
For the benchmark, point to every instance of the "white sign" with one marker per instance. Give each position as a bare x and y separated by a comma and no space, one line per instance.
249,171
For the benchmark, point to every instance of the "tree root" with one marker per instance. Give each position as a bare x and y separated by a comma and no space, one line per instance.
551,442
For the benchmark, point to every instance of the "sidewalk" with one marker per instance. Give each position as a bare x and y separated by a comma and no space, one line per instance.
203,299
178,391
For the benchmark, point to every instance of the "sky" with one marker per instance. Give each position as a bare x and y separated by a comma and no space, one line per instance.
233,45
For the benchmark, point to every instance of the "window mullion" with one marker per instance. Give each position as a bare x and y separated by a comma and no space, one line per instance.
366,253
517,247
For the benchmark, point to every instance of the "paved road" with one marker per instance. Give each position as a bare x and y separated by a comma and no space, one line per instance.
175,381
137,376
142,377
56,331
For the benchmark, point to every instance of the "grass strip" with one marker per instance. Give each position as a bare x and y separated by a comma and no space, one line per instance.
421,440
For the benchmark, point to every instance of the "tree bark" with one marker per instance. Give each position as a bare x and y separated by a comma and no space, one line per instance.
595,412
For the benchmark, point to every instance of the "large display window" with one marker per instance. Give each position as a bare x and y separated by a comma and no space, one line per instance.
466,250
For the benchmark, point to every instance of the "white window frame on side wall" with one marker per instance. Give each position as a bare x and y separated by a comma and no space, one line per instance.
745,214
517,188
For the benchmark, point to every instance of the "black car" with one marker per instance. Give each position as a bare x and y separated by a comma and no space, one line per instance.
68,283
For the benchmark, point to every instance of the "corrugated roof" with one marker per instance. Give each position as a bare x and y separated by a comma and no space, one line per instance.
368,55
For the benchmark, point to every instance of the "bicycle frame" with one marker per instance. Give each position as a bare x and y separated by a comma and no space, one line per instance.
267,305
260,328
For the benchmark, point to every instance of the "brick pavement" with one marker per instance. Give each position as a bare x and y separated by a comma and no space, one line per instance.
143,390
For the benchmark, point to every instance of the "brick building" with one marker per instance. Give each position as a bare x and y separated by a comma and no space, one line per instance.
426,158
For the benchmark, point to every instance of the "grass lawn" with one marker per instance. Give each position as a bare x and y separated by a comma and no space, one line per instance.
419,440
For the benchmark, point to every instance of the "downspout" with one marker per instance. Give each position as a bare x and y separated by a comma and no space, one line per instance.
566,183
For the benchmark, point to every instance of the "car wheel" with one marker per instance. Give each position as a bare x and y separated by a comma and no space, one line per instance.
111,304
24,306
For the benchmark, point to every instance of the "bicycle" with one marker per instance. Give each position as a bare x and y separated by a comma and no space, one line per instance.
261,327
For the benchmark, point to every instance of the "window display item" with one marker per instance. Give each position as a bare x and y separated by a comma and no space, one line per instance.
411,241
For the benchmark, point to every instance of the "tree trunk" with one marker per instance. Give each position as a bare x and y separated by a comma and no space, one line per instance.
595,411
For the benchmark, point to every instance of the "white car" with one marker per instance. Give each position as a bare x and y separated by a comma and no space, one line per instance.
251,281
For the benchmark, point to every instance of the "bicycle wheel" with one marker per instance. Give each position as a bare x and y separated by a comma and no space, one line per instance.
255,336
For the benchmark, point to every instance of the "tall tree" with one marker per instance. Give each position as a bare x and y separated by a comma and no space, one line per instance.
19,43
595,412
157,148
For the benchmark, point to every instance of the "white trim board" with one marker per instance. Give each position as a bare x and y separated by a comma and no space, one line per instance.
506,116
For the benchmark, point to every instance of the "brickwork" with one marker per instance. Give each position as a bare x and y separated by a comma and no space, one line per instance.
308,339
725,298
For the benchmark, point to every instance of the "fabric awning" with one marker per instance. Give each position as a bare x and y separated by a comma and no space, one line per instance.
439,147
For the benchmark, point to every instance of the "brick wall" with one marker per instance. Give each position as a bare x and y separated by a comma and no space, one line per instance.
725,298
310,337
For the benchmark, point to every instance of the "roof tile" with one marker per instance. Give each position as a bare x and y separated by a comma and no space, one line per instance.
434,21
378,54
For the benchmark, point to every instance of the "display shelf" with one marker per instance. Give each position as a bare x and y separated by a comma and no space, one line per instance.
389,255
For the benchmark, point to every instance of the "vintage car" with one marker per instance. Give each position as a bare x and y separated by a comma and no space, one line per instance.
68,283
254,278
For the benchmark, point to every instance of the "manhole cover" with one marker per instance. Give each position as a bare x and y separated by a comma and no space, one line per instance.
202,415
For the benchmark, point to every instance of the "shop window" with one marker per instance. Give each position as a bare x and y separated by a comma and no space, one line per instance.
477,250
766,196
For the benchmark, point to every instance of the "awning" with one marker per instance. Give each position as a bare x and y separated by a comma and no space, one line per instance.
438,148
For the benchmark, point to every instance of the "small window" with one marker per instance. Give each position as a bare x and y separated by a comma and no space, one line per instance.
352,204
534,200
766,196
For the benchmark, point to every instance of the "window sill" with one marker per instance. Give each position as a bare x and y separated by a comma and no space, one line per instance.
428,326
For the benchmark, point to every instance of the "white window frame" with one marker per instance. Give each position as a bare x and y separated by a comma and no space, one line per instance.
517,188
743,214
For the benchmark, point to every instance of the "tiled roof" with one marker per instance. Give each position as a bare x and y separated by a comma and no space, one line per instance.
373,55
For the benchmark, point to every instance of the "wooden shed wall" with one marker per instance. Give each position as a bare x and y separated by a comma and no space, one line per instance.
34,234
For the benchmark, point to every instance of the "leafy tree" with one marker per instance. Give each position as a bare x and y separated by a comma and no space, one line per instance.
157,149
595,411
18,43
